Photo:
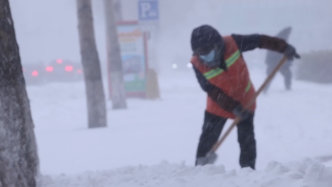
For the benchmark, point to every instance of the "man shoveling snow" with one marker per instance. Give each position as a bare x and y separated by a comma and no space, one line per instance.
222,73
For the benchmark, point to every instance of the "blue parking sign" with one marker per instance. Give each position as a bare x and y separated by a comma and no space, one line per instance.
148,10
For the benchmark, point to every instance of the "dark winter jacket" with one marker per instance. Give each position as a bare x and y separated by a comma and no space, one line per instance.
272,57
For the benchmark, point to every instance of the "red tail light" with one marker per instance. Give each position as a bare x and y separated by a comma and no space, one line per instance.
34,73
49,68
69,68
79,71
59,61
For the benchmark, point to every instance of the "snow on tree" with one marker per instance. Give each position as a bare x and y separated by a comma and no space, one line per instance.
113,53
18,150
93,82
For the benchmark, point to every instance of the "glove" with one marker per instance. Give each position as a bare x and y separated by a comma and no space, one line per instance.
291,53
210,158
241,113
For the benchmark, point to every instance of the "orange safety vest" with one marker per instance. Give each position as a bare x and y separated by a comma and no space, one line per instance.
235,82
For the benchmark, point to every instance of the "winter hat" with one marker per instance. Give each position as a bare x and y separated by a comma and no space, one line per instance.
204,36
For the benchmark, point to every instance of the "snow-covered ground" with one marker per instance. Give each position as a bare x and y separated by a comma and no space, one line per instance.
296,174
289,127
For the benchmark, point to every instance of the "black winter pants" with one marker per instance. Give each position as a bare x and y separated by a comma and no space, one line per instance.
211,131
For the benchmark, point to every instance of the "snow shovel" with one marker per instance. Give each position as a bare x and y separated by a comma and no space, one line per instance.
237,120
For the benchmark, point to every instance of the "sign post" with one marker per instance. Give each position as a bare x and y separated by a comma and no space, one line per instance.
136,39
133,49
148,19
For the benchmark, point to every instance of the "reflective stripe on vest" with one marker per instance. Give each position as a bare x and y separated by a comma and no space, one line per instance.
248,87
216,71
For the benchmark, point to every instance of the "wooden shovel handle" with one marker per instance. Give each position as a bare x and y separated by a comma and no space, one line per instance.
253,99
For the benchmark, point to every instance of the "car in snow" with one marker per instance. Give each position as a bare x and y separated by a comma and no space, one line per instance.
179,63
56,71
34,73
63,71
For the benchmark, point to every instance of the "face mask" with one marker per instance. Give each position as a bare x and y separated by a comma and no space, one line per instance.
208,57
215,57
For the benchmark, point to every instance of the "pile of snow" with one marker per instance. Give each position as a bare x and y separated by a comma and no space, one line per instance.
289,126
297,174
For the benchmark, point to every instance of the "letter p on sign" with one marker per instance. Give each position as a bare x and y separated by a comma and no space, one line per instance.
145,8
148,10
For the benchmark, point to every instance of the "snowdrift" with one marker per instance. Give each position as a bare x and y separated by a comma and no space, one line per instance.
307,173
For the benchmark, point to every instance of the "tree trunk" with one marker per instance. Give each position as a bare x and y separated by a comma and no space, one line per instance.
114,56
93,82
19,162
117,10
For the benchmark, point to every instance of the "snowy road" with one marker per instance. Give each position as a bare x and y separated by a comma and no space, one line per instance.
289,126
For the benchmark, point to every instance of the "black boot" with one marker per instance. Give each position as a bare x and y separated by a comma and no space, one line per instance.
246,139
211,131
